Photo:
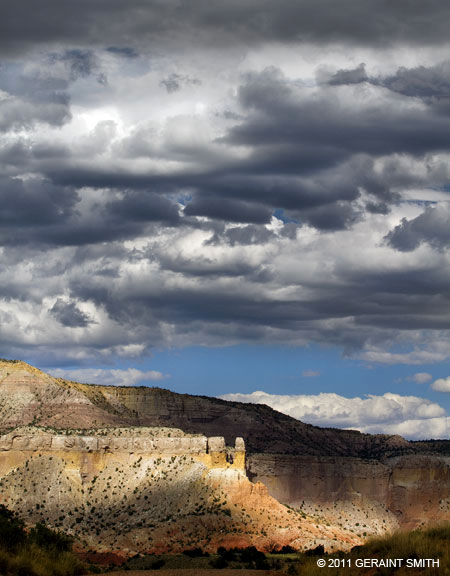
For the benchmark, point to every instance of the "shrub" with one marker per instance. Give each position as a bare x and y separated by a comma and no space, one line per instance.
41,552
12,533
195,553
219,562
50,539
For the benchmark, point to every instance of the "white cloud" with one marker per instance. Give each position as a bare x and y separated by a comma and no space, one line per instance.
416,357
410,416
441,384
310,373
420,377
416,428
129,377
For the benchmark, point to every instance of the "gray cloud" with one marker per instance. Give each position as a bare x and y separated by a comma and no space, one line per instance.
277,115
18,113
174,82
352,76
422,82
250,234
80,63
428,83
432,227
68,314
34,203
32,95
143,207
228,209
153,23
37,212
123,51
250,205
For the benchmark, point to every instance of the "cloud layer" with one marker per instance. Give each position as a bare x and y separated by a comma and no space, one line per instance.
288,184
155,23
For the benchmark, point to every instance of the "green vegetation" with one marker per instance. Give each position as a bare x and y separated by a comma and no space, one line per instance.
38,552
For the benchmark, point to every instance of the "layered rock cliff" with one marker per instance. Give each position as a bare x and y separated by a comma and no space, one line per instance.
150,490
412,489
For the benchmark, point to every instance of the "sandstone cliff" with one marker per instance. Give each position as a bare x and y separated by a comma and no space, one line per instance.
407,491
146,490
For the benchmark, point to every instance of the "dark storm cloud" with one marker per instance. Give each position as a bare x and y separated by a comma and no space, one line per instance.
164,23
94,212
343,314
247,235
397,300
277,116
37,212
124,51
352,76
432,227
80,64
338,216
312,156
422,81
35,203
14,155
428,83
174,82
183,306
227,209
143,207
68,314
203,267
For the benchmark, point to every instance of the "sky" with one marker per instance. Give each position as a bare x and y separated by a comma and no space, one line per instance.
245,199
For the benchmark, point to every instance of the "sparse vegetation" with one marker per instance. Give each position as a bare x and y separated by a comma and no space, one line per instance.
38,552
431,543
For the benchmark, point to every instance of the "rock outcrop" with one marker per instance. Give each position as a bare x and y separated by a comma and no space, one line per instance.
414,489
131,491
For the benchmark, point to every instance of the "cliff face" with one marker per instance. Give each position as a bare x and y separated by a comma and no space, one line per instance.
414,489
148,491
